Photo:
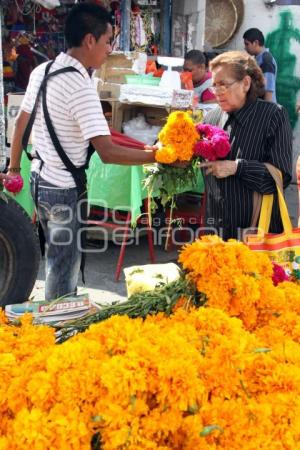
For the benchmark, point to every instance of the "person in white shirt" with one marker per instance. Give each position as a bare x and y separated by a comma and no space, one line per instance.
61,154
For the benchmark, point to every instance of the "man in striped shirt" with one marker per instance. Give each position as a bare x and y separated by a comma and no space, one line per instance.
77,118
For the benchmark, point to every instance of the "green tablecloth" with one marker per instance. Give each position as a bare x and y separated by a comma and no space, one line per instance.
121,187
109,185
24,197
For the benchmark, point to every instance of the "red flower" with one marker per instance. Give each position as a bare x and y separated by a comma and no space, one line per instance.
221,144
214,142
204,148
13,183
279,274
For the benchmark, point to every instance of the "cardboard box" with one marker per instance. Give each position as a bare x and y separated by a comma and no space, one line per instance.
109,91
117,65
155,116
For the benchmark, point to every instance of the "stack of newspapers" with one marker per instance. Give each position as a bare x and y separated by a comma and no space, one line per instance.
62,309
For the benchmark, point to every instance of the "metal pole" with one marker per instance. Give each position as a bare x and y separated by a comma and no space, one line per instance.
166,19
2,113
125,25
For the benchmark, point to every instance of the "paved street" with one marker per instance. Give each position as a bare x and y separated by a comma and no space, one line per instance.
101,266
100,271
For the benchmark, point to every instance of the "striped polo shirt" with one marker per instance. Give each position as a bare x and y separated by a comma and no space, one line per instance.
76,114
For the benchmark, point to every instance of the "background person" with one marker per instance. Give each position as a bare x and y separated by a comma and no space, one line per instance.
77,117
195,63
254,44
259,132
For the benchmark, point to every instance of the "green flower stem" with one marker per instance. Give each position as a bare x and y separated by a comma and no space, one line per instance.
162,299
169,231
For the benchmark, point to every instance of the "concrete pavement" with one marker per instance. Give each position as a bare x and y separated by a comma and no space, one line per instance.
100,271
101,266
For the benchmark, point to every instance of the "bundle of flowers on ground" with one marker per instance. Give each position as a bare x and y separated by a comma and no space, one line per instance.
225,375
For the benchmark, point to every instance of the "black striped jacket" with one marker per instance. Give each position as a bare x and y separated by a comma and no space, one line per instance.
259,132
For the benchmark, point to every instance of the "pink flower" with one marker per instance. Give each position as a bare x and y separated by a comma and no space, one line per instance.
13,183
206,130
204,148
214,142
221,144
279,274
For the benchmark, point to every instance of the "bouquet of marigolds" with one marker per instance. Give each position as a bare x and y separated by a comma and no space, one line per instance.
182,144
176,145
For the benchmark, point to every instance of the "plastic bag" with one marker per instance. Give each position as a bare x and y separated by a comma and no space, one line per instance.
48,4
139,129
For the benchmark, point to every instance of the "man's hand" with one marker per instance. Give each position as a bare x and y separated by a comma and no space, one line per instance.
2,177
220,169
151,147
298,107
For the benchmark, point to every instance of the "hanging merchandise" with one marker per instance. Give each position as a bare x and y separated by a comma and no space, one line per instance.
147,2
116,17
143,26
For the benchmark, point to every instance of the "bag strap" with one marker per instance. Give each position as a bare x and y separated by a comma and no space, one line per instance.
257,201
298,184
267,204
27,132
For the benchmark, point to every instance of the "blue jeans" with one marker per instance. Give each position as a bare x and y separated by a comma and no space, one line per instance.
57,214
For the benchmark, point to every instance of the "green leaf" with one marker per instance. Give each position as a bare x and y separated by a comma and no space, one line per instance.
136,271
133,401
262,350
209,429
97,419
193,409
3,197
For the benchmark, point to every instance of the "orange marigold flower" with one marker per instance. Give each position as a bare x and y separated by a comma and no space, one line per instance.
166,155
180,134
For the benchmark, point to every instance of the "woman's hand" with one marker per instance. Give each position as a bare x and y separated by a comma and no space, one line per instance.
220,169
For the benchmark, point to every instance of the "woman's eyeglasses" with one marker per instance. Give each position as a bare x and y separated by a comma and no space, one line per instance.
222,88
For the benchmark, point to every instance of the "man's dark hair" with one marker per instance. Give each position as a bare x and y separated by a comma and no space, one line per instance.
196,56
85,18
254,34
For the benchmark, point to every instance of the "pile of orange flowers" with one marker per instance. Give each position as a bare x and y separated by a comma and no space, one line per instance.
178,138
238,281
221,376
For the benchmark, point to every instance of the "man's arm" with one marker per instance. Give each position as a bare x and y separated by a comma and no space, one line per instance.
16,146
269,70
111,153
268,96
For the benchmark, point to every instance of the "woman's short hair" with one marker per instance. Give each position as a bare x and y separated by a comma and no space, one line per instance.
241,64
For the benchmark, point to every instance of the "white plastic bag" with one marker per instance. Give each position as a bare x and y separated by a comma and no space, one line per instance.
148,277
49,4
137,128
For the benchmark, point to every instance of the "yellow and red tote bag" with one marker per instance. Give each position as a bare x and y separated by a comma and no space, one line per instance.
282,248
